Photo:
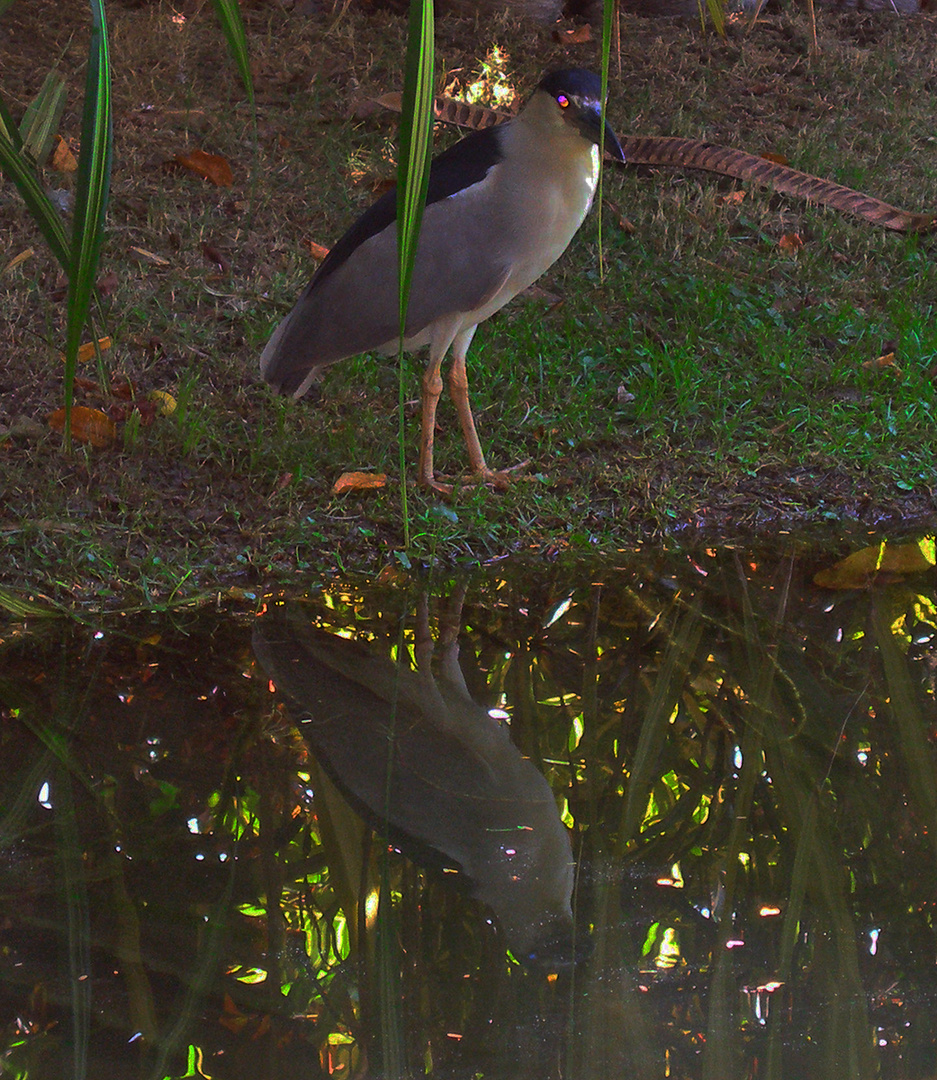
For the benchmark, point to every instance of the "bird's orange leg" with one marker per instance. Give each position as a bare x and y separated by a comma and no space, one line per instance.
432,388
458,389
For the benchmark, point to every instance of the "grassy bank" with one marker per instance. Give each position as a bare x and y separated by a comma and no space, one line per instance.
723,380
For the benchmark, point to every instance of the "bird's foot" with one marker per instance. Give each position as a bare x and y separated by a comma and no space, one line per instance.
496,478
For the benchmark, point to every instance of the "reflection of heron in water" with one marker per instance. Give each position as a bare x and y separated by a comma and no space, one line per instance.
431,769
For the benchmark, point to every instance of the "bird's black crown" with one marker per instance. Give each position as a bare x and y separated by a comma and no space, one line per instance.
573,82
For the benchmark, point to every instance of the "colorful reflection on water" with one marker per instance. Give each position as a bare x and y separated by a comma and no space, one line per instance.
675,817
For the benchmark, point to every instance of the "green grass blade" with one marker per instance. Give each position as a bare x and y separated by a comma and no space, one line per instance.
608,18
668,689
94,169
41,119
906,713
717,12
14,166
74,886
8,128
416,148
229,15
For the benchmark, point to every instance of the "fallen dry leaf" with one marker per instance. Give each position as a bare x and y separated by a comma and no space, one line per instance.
887,360
107,283
791,243
361,108
88,425
390,101
142,255
86,351
165,403
216,257
318,251
623,222
574,35
27,253
778,159
121,411
211,167
63,160
732,198
122,388
358,481
878,564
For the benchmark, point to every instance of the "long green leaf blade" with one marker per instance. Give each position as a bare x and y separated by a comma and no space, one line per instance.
229,15
41,210
416,148
608,16
41,119
94,169
416,145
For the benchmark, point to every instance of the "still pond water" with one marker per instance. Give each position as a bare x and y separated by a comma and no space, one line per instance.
670,817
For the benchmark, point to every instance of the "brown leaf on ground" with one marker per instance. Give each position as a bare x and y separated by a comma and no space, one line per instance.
144,256
121,411
777,159
878,565
163,402
623,223
122,388
88,425
211,167
63,160
361,108
107,283
216,257
791,243
731,198
573,35
27,253
390,101
887,360
358,481
86,351
318,251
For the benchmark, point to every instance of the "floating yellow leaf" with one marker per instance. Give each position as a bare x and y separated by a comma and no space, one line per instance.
882,562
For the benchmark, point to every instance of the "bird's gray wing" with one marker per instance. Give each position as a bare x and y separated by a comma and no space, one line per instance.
351,305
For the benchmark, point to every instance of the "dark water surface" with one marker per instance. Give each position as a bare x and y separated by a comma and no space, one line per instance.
671,817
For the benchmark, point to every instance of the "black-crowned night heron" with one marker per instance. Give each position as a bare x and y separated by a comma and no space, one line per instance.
503,204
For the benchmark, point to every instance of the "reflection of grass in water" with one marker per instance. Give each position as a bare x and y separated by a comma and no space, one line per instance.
719,720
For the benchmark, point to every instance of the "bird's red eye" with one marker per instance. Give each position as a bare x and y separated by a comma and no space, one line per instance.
562,100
